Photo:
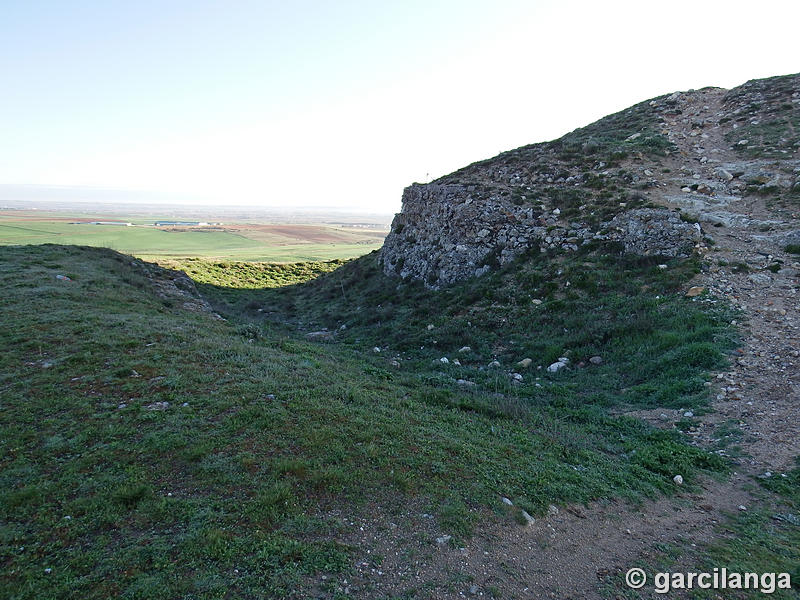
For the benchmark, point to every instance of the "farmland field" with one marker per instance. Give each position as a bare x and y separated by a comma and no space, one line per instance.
247,241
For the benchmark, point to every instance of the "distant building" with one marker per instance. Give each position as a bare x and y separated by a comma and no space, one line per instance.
181,224
122,223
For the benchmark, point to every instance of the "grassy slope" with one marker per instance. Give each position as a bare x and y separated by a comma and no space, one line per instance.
655,343
228,493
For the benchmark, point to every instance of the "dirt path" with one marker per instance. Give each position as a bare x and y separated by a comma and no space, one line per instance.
749,269
569,553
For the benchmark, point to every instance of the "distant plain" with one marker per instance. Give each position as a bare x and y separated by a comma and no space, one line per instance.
246,239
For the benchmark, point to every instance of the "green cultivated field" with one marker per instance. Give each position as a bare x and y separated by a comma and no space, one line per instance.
247,244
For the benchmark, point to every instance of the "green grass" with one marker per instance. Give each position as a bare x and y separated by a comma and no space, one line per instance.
655,343
304,252
126,239
609,138
250,275
230,494
151,243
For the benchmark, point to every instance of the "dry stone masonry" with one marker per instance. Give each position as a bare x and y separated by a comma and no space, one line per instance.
450,232
623,179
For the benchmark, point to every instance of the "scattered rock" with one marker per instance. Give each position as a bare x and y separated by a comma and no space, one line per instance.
506,501
525,363
556,367
529,520
443,539
678,479
760,278
323,334
444,360
552,510
464,349
596,360
494,364
157,406
695,291
376,350
723,174
465,382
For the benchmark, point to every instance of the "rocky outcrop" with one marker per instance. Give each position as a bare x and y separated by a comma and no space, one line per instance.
450,232
621,179
654,232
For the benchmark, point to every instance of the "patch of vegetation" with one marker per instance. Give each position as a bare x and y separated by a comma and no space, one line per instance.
151,451
727,436
785,484
792,248
740,267
250,275
769,123
617,136
655,343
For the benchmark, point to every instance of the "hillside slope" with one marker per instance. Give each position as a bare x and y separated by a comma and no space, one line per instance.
721,163
151,449
608,181
399,427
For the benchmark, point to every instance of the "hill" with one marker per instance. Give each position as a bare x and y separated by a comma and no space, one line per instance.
152,448
518,417
615,180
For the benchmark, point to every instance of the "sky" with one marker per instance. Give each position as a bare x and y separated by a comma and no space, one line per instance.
339,103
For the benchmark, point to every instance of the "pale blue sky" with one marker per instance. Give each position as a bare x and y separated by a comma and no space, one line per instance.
341,103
